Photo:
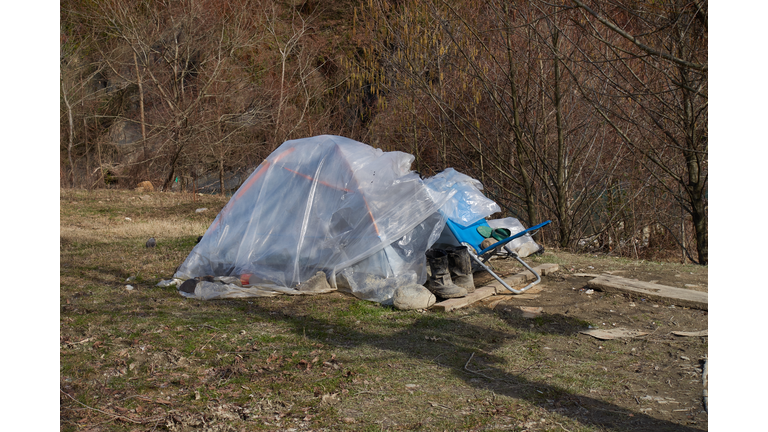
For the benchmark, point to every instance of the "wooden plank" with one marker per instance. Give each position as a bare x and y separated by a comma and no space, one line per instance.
522,279
534,292
531,293
614,333
651,291
691,334
456,303
494,287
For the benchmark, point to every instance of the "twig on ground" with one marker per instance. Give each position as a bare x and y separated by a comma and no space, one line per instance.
113,415
475,372
203,345
158,422
157,401
78,343
526,369
516,384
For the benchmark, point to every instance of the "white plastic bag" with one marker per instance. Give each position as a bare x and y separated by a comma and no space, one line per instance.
467,204
522,246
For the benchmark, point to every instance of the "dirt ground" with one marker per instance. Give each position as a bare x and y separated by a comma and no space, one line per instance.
142,357
662,373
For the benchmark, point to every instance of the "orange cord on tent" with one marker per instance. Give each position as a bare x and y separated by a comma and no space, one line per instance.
319,181
375,227
262,168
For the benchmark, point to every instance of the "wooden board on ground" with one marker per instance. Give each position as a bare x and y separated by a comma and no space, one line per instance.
589,275
534,292
616,333
651,291
530,294
477,295
691,334
523,278
494,287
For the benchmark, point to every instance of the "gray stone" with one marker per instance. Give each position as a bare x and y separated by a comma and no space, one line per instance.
316,284
413,296
188,286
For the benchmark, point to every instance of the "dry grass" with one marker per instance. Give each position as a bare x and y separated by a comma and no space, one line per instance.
102,229
148,359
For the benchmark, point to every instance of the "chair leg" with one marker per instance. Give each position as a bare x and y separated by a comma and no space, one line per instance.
538,278
504,284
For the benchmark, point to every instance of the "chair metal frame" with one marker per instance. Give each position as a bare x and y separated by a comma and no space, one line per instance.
468,236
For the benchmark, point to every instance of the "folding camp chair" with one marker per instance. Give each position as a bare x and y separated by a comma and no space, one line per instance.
470,237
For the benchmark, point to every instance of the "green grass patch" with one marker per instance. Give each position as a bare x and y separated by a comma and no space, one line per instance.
326,362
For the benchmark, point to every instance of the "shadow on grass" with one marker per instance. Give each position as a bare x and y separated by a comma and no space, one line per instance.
464,341
446,340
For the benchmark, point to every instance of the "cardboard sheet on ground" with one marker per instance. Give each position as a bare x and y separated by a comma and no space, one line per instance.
692,333
616,333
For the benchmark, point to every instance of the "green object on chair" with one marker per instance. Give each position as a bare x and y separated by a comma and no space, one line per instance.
485,231
498,233
476,234
501,233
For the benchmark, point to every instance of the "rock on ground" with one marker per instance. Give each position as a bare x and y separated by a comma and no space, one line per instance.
413,297
317,283
145,186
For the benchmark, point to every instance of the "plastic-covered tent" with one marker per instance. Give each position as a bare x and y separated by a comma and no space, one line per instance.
329,204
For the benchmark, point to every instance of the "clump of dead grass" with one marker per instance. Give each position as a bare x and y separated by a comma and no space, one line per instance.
98,230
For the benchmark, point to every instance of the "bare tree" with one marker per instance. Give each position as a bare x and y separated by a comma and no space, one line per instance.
499,99
76,77
187,53
658,101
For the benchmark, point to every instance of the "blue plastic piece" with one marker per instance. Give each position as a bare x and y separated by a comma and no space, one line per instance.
469,235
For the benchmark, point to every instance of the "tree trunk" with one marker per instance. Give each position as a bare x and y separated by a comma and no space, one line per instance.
169,179
700,225
561,183
87,154
529,198
682,235
71,142
221,175
175,159
141,111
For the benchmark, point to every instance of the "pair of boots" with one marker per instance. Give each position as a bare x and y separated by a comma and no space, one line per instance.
451,272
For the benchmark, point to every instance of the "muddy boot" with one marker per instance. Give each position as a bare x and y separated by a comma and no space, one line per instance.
440,283
460,265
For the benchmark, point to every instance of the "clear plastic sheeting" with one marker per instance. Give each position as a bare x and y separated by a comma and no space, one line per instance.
401,263
329,204
522,246
468,205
